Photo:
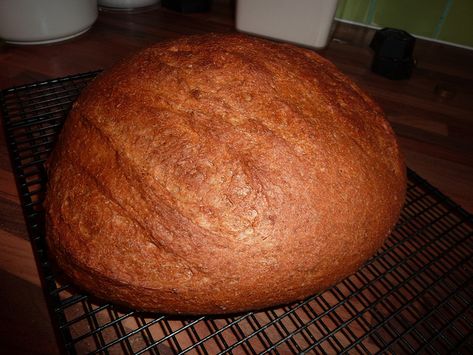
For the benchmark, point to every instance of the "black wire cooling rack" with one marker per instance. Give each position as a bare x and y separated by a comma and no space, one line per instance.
414,295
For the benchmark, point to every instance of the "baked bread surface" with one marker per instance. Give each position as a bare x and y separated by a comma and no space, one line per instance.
218,174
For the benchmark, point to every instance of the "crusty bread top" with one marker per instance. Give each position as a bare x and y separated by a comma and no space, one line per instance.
220,173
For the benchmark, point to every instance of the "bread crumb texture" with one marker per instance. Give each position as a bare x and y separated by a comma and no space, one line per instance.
218,174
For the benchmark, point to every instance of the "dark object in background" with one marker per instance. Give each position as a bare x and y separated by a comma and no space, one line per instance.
188,6
393,53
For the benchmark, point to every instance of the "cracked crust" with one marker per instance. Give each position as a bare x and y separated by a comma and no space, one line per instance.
220,173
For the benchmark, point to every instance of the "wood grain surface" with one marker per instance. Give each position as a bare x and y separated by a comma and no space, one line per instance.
431,114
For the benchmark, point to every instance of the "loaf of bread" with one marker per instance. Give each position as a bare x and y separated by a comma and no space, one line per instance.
219,174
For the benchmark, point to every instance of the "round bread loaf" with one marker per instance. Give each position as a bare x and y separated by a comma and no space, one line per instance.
220,173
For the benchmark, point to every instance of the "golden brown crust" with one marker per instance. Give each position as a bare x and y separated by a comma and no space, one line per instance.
220,173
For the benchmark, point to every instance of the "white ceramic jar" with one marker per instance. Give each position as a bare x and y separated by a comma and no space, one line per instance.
45,21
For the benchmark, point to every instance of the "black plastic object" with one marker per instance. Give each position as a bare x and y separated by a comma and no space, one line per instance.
393,53
414,295
188,6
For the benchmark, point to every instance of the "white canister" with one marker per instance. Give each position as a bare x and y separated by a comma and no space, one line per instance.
45,21
305,22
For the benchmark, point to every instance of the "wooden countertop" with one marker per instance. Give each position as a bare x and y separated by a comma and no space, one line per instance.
431,114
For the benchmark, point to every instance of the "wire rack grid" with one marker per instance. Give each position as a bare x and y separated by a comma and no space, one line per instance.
414,295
